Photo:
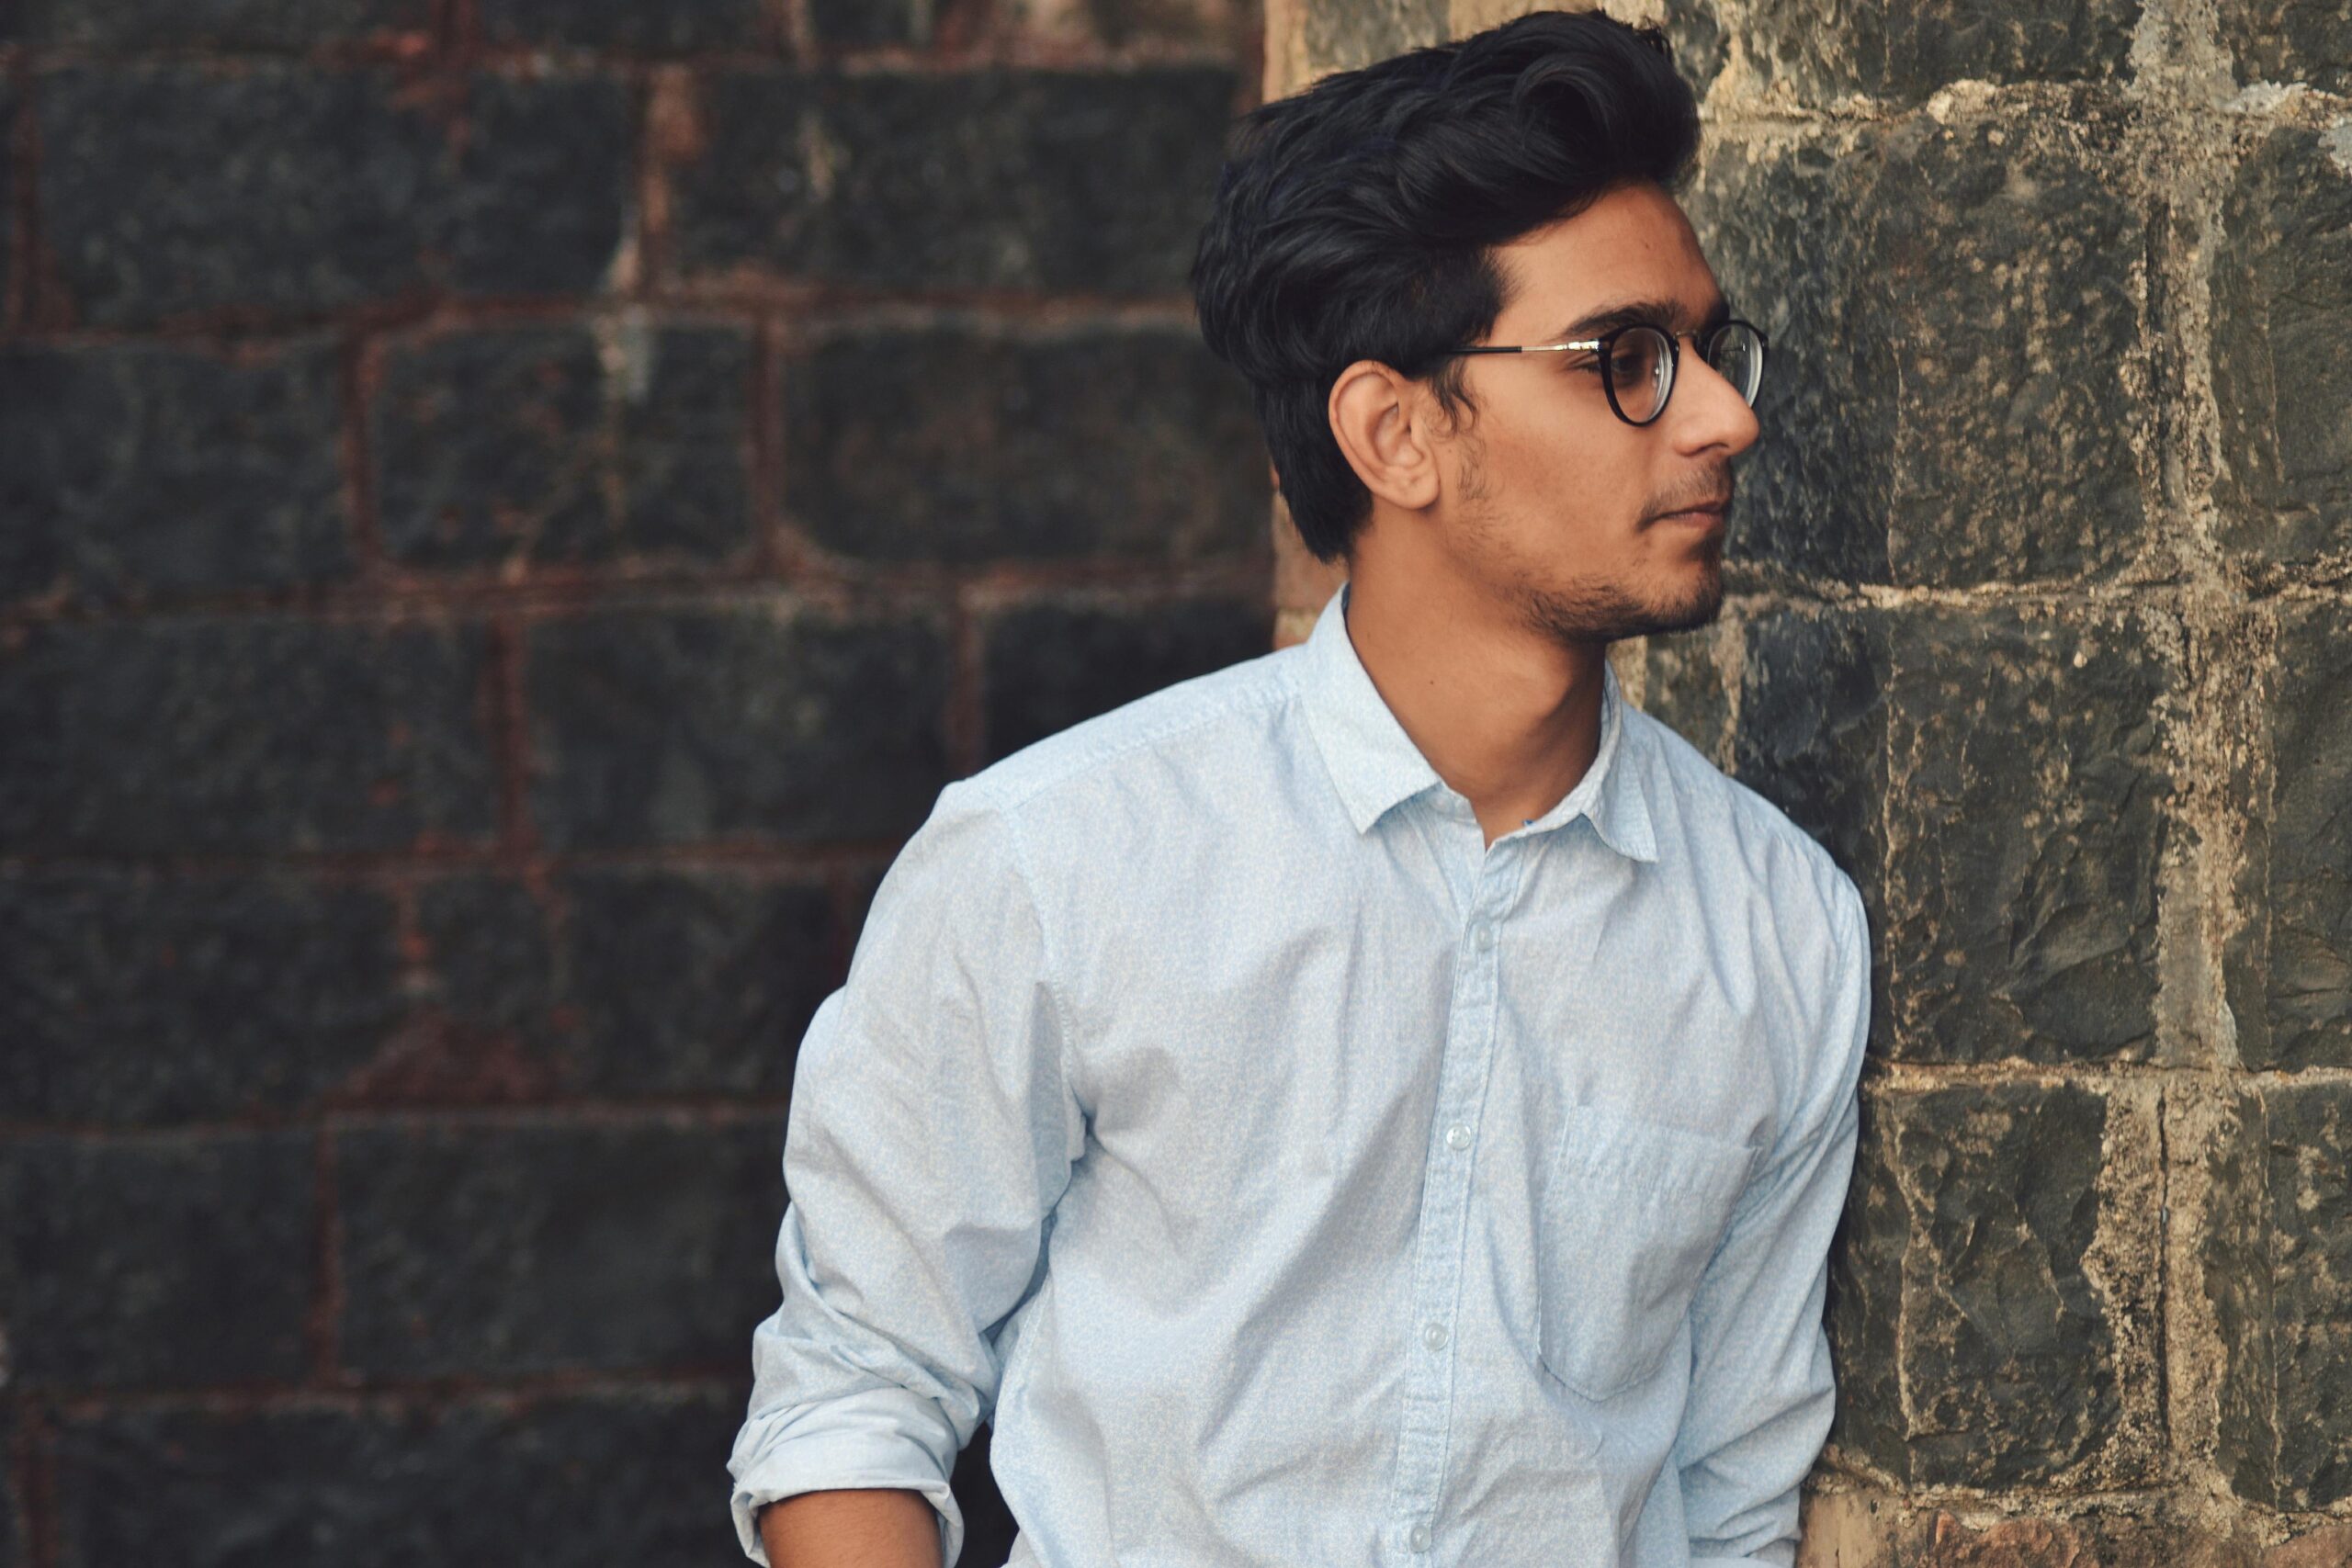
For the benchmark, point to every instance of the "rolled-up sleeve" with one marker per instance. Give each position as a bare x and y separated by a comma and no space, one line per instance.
932,1130
1763,1389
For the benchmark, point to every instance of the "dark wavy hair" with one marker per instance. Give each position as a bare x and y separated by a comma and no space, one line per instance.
1356,220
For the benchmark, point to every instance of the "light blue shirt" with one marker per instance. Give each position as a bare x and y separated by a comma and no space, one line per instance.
1292,1178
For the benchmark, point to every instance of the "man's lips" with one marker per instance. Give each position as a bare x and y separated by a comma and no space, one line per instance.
1710,516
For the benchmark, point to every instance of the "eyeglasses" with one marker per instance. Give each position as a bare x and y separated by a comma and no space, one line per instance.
1641,360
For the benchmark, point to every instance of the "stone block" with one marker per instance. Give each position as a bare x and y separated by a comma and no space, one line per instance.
1936,1538
1820,51
2282,337
1810,736
129,997
246,734
1955,390
11,100
2289,965
177,1260
1994,1308
622,983
2309,1130
1341,37
868,24
2276,1273
676,27
759,722
514,1249
178,189
2029,792
2289,41
131,470
135,25
967,444
565,444
1050,665
1123,23
1996,783
1047,181
1685,688
530,1480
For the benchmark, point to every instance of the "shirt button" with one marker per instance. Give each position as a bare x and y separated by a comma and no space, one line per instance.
1485,937
1418,1537
1434,1336
1457,1137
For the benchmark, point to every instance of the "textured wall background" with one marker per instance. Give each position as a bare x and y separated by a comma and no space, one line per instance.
509,510
2040,588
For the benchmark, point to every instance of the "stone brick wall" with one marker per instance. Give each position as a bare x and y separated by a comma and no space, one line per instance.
2040,588
510,511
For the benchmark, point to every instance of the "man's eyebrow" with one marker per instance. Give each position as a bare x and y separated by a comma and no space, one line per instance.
1650,313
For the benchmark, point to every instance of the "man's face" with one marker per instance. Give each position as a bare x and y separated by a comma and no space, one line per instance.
1554,504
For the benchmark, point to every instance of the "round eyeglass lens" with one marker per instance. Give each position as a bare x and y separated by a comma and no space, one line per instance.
1641,369
1737,356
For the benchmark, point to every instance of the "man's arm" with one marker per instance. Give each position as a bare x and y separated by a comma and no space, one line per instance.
850,1529
1761,1386
932,1131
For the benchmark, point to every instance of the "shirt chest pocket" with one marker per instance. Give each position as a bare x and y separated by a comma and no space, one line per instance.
1630,1213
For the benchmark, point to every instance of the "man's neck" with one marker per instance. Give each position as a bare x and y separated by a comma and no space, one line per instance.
1507,717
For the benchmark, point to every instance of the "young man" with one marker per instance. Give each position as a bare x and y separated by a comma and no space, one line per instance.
1388,1102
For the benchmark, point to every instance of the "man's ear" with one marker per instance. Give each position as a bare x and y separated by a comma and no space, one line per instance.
1383,424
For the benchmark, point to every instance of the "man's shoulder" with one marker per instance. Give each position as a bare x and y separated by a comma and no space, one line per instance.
1724,825
1207,722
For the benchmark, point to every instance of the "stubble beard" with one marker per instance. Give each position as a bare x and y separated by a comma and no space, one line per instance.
1596,611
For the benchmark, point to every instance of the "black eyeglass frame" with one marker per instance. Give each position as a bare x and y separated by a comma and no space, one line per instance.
1607,342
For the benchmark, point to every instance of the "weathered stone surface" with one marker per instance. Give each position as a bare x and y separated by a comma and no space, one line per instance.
663,727
2028,791
1954,310
509,1249
243,734
177,1261
565,444
2289,965
9,102
219,24
1048,180
2234,1280
1120,24
1048,666
1820,51
170,189
130,471
1342,37
2275,1261
1815,493
1810,737
1684,674
1996,785
1994,1306
1935,1539
861,24
2282,336
15,1531
130,998
2310,1128
970,443
2289,40
531,1482
671,28
2310,904
649,983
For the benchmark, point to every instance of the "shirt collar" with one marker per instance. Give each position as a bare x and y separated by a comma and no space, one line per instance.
1374,764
